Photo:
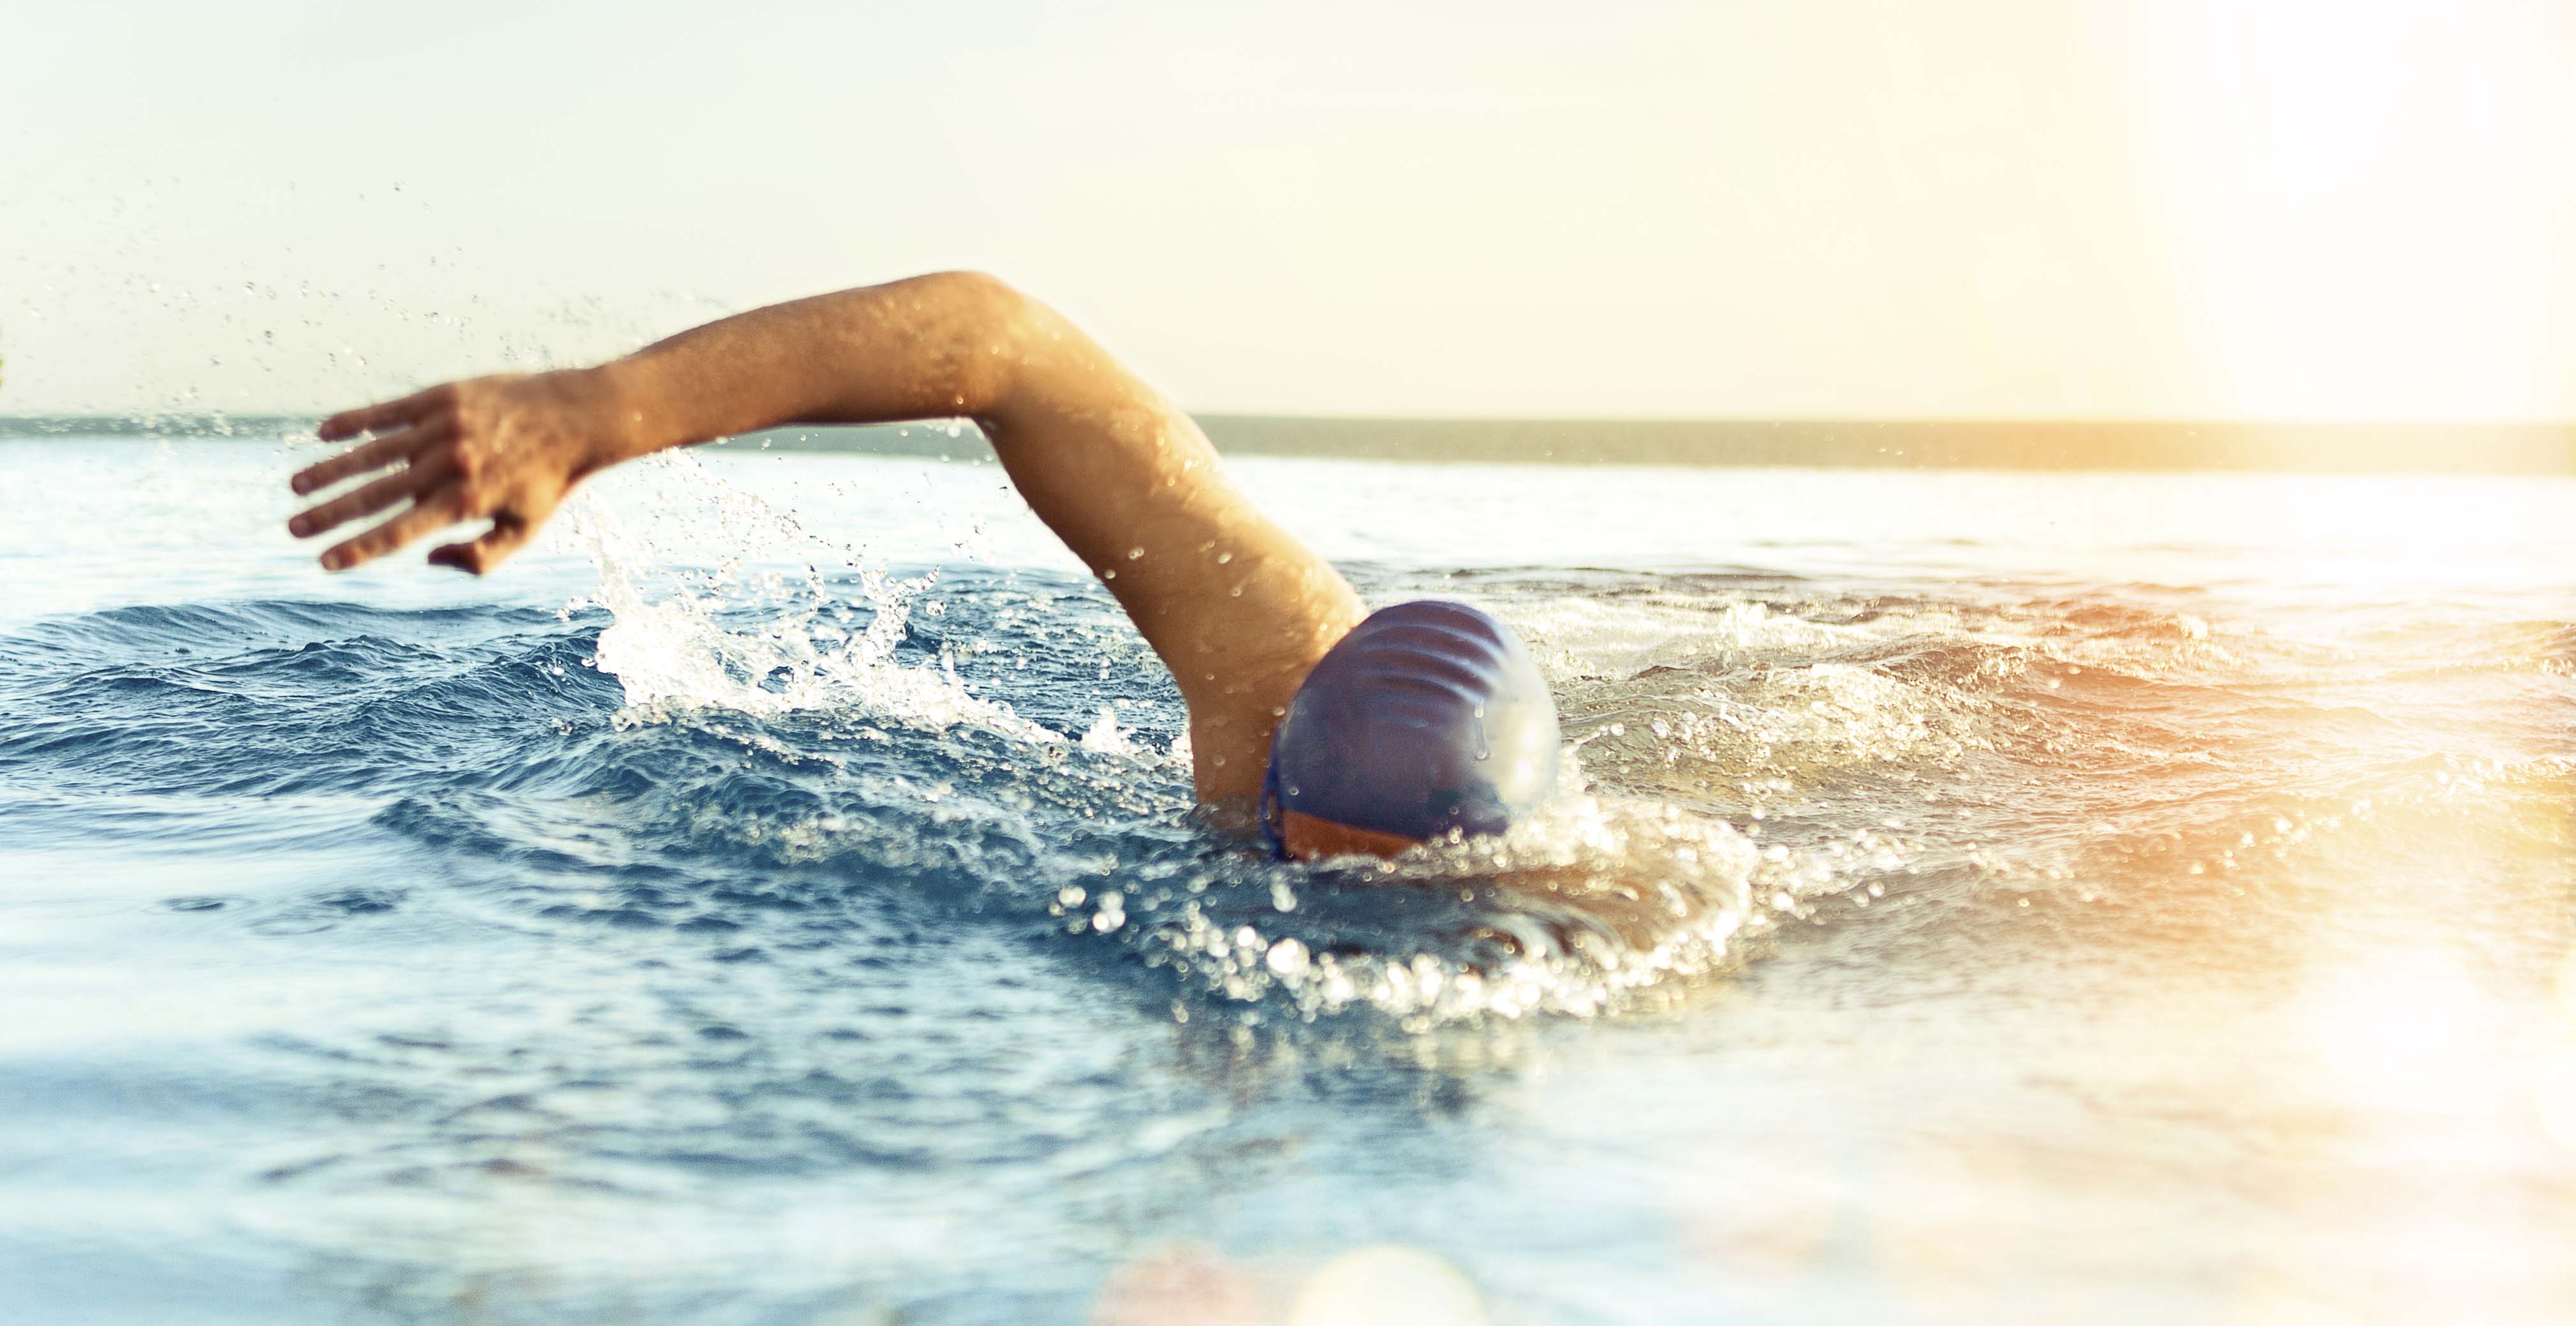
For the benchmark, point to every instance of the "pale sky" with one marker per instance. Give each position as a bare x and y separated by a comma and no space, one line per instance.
2215,208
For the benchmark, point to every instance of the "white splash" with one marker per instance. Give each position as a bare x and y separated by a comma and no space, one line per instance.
794,643
1104,737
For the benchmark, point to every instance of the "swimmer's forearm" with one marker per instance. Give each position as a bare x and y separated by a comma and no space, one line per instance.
938,346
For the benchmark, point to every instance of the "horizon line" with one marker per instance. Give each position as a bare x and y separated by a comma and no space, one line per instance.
2140,445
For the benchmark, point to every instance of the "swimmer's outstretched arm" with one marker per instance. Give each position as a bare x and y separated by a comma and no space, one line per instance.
1237,609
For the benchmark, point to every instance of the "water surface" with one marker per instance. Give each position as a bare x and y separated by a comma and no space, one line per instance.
1985,896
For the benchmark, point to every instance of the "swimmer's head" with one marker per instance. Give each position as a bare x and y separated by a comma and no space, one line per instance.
1428,719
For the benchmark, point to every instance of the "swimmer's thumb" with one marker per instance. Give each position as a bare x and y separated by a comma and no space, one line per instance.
478,557
462,556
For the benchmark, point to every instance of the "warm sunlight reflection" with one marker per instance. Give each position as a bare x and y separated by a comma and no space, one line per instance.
1180,1285
1956,1218
2553,1090
2553,1097
1762,1206
2566,984
2399,536
1387,1286
2406,1031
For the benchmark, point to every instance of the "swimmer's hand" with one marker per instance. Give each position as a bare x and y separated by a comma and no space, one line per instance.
504,449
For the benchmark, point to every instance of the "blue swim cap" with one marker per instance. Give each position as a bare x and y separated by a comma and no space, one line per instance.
1429,716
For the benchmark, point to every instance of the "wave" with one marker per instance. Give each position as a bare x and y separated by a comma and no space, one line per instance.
781,751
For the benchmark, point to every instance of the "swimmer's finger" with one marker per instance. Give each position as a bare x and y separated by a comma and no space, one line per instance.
373,455
434,510
508,534
406,482
380,416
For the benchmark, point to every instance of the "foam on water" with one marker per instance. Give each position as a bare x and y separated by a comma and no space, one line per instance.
1579,912
759,642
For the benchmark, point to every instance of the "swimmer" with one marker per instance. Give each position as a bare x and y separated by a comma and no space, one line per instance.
1343,731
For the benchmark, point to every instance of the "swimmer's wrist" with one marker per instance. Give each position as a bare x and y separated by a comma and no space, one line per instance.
627,417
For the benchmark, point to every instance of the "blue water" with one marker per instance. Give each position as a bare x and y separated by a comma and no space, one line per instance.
775,898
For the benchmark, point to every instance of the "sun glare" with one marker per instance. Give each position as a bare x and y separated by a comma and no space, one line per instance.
2408,1032
2365,202
1396,1286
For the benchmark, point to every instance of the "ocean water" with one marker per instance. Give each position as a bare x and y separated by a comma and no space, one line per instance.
774,899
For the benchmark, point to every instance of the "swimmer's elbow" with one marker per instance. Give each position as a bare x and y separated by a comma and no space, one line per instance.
993,319
981,290
1020,360
997,310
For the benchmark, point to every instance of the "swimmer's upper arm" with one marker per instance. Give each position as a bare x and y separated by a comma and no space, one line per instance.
1237,608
